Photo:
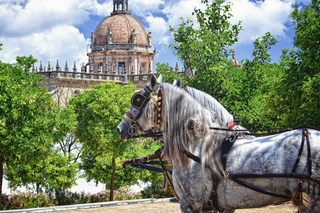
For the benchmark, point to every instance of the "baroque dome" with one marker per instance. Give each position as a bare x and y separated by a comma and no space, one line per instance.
122,27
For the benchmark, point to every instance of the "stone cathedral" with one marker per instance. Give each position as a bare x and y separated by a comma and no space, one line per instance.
121,50
121,43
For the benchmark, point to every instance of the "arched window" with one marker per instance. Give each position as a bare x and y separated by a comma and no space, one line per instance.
100,68
142,68
120,6
121,67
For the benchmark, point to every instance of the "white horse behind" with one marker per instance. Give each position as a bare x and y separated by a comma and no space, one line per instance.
186,126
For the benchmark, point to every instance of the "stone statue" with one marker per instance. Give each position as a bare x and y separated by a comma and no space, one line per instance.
92,37
109,36
133,36
149,38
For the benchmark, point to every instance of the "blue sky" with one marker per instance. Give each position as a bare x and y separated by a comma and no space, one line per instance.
52,30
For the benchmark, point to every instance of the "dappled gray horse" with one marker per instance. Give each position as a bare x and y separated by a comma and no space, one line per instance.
186,126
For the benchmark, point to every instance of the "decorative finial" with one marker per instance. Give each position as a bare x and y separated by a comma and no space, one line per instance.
74,67
41,67
57,66
66,68
49,66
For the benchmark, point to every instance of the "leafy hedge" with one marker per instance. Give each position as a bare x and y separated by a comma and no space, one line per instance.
27,200
23,200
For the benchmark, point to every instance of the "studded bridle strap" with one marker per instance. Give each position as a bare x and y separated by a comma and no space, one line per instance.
159,110
130,116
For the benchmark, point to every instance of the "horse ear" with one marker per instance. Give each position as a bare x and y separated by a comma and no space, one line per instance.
153,82
159,79
195,127
178,82
191,124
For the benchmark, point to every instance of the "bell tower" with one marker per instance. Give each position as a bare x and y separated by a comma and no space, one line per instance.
120,7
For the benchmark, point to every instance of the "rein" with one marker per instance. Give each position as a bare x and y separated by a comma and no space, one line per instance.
247,131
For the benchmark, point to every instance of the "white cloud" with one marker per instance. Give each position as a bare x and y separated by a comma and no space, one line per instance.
159,28
95,8
38,15
261,17
141,7
63,43
182,9
47,29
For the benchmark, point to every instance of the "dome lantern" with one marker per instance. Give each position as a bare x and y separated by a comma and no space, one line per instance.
120,7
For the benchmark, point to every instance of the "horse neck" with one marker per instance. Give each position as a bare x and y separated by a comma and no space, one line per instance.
217,109
177,109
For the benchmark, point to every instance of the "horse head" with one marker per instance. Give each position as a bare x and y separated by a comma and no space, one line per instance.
143,105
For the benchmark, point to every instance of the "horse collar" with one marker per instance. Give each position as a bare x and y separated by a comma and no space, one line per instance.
159,110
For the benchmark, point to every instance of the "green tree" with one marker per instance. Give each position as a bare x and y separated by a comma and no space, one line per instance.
296,99
26,116
206,46
168,73
58,169
99,111
54,171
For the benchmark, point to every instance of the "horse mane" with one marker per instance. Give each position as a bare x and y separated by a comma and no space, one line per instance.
217,109
211,104
185,123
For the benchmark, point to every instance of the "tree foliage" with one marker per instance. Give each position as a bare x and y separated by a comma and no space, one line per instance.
205,46
168,73
99,111
296,98
26,115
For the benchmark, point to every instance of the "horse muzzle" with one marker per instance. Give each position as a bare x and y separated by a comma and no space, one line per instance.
125,131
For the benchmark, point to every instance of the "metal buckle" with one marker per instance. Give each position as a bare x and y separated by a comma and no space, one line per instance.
132,130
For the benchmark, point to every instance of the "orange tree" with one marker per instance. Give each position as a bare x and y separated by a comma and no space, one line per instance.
99,110
26,116
296,97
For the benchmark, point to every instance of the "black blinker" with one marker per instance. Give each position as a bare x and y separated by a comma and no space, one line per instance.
138,100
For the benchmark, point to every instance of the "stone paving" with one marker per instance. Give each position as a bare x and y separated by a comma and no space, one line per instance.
173,207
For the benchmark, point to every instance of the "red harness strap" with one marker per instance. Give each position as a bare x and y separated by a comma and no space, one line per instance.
134,121
230,125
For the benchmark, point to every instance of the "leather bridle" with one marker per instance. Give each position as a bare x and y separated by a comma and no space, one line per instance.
139,101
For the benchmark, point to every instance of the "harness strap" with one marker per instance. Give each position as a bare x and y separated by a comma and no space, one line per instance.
145,160
257,189
305,132
166,175
159,110
232,124
213,201
192,156
305,137
299,155
150,168
133,120
225,148
296,176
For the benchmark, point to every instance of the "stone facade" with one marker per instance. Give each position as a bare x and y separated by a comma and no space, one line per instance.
120,49
121,44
